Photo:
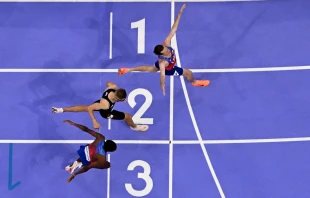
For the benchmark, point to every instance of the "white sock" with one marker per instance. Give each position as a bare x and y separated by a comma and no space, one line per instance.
57,110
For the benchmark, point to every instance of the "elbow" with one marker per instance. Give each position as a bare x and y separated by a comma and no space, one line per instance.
86,169
107,165
109,83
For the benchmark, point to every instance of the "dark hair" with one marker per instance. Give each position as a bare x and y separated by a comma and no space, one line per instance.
121,94
110,146
158,49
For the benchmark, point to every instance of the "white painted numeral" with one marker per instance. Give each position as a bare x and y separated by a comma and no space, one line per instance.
145,175
137,117
141,34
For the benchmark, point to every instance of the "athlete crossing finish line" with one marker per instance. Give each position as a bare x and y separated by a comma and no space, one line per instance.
105,107
91,155
166,62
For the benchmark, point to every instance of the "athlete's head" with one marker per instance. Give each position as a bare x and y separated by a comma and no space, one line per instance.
110,146
120,95
159,50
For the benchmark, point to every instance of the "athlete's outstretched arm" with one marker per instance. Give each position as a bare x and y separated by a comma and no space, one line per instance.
85,129
111,85
91,108
162,66
174,28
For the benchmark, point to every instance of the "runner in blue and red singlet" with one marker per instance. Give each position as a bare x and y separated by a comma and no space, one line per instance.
91,155
166,62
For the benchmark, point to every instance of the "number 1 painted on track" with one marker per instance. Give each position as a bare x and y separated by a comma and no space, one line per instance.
140,25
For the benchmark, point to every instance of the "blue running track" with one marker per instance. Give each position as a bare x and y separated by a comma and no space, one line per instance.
246,119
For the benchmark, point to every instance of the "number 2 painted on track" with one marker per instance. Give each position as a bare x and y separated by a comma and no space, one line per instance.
145,175
137,117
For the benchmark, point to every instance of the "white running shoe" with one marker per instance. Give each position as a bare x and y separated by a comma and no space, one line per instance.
140,128
71,168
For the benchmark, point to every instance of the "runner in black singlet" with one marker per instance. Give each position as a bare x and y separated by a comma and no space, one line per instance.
105,107
109,112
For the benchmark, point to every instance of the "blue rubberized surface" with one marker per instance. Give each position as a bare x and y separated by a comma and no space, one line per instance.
235,106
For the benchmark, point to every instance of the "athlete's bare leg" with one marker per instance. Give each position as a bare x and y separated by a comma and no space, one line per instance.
188,74
129,122
78,160
143,68
71,168
79,108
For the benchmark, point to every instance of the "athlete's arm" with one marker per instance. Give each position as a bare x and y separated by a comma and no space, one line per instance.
87,130
91,108
111,85
162,66
174,28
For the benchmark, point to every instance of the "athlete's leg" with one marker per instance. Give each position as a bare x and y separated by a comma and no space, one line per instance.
118,115
82,160
72,167
129,121
78,108
188,74
143,68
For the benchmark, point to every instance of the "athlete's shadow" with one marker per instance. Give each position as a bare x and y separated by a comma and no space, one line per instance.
41,105
58,90
62,90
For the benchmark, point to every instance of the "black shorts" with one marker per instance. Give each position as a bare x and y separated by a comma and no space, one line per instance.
114,114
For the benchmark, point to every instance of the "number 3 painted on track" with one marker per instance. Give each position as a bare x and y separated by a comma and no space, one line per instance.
145,176
137,117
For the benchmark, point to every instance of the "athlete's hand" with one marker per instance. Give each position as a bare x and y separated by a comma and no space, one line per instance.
70,178
69,122
183,7
163,89
96,125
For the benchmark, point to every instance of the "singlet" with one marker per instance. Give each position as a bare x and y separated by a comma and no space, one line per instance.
90,150
172,61
105,96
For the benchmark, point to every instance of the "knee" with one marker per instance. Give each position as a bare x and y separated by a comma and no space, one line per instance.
152,69
190,72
